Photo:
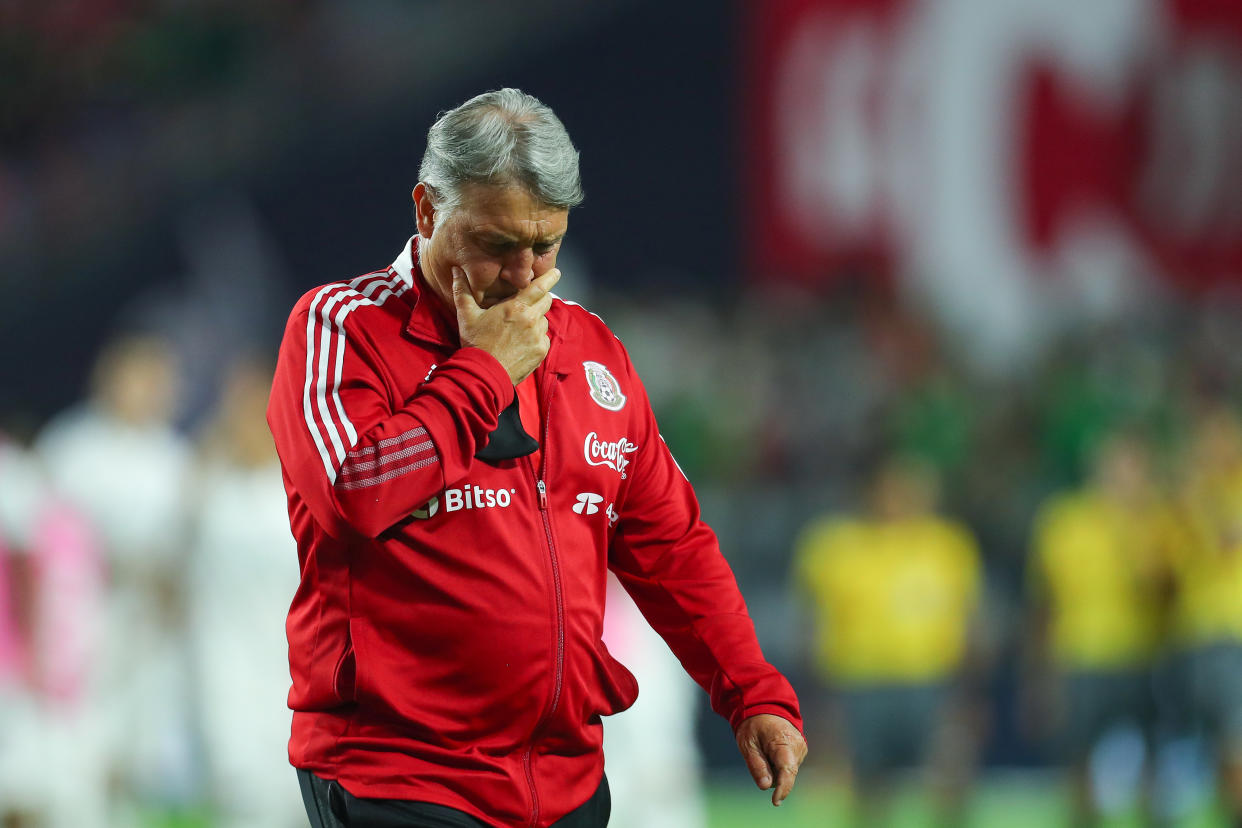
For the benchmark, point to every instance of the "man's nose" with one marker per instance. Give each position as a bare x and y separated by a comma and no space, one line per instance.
518,269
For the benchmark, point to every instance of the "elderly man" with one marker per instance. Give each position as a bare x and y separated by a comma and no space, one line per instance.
464,456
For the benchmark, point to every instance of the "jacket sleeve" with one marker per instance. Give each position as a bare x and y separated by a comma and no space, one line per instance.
359,461
670,562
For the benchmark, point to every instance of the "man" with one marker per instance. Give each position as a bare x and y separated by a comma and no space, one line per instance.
465,456
894,592
243,568
117,459
1206,612
1098,584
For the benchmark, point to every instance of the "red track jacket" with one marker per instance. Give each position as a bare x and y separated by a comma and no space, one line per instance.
444,643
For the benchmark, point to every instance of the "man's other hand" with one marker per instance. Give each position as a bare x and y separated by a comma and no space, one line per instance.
773,749
514,330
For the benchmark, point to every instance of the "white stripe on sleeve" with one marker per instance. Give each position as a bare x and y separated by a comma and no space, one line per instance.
319,319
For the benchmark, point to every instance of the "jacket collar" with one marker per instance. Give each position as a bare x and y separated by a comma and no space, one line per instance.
426,321
428,324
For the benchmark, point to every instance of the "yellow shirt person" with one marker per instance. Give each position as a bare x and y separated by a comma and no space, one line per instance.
892,600
892,594
1208,566
1097,567
1207,609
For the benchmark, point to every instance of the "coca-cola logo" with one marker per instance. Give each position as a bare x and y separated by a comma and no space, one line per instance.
611,454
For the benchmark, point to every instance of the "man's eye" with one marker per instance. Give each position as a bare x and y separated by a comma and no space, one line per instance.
544,249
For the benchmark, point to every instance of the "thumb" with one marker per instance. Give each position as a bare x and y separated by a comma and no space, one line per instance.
467,307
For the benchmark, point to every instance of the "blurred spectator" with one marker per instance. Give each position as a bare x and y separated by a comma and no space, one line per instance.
1096,587
894,593
1207,610
21,497
50,585
241,578
20,493
116,458
661,787
66,597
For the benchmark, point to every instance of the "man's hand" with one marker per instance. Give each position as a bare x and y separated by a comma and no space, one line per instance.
773,749
513,330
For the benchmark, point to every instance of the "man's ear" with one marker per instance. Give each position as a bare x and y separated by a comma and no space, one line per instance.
424,210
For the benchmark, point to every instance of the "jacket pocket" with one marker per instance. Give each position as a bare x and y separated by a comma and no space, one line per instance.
615,687
344,676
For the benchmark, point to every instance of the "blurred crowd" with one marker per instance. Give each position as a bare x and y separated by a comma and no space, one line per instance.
104,100
144,580
115,109
1044,569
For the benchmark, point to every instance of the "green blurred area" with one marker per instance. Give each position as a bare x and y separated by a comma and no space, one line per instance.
1018,801
1004,800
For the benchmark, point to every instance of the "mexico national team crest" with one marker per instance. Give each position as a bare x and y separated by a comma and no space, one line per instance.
605,389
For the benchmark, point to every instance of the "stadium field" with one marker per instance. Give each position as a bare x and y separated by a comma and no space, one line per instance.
1009,800
1002,801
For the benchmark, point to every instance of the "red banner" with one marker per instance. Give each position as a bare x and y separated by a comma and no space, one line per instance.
883,133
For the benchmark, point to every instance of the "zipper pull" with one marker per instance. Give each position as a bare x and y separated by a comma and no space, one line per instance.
543,496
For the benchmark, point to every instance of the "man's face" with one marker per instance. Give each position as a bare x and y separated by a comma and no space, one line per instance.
500,236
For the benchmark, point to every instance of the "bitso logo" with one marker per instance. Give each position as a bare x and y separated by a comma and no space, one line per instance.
588,503
612,455
467,497
605,389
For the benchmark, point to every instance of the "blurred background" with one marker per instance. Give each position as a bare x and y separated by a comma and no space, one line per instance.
937,302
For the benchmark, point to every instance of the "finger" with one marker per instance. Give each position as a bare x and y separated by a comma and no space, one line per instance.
784,786
544,304
758,766
466,304
786,775
538,288
549,278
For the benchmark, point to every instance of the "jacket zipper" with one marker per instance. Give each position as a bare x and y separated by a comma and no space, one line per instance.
541,488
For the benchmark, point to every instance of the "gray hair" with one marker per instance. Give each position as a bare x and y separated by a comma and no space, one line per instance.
501,138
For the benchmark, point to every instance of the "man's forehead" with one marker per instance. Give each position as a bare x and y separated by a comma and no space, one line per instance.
510,214
522,231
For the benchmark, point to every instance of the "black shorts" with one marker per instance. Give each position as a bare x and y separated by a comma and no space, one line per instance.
331,806
889,727
1098,701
